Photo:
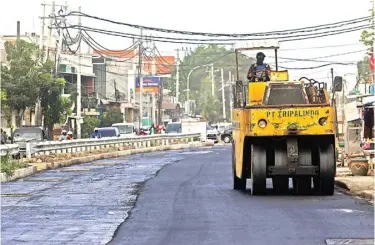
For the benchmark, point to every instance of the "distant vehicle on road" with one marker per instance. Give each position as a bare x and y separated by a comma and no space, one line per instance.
125,129
109,132
226,136
173,128
24,134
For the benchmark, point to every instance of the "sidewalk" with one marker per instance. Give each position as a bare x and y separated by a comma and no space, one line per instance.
362,186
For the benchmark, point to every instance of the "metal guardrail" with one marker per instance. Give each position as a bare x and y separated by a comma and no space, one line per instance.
78,145
9,149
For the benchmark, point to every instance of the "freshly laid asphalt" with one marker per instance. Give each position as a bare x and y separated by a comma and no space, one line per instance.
192,202
188,199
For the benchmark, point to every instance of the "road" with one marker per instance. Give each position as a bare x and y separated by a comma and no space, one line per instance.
190,201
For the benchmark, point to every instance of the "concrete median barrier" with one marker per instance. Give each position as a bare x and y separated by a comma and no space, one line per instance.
40,166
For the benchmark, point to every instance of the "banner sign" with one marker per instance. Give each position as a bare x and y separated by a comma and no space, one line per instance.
150,84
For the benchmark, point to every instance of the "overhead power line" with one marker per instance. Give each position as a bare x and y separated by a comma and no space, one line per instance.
281,32
217,41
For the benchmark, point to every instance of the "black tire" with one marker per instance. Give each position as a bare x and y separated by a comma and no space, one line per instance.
327,170
280,184
302,185
238,183
227,139
258,170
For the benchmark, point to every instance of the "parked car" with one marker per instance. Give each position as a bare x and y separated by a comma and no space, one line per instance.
109,132
212,134
226,136
173,128
24,134
125,129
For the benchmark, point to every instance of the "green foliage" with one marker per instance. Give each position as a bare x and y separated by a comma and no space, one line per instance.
8,166
367,36
208,105
54,106
88,126
3,96
112,116
26,78
364,70
203,55
20,77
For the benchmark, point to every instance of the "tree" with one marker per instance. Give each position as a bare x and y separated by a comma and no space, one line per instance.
20,76
367,36
54,106
114,115
208,105
363,69
26,78
88,126
204,55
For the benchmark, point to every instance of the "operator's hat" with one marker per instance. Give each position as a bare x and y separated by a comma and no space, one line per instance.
261,54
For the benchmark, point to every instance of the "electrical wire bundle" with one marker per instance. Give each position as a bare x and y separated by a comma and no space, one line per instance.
288,35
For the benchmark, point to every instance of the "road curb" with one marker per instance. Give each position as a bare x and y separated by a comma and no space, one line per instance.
367,194
37,167
342,185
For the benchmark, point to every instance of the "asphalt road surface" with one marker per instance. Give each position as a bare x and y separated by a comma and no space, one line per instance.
190,201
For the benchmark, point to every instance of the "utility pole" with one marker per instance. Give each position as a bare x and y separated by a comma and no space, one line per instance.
140,76
41,38
231,79
332,76
79,83
177,75
38,112
153,71
18,30
59,47
212,80
223,92
52,14
373,43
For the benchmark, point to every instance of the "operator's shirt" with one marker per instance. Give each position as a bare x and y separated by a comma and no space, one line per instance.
263,70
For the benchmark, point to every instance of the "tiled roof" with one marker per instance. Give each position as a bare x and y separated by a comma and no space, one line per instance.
164,64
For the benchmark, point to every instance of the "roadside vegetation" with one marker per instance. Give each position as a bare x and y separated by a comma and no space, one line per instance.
9,165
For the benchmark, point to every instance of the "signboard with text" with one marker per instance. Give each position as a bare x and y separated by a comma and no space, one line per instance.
150,84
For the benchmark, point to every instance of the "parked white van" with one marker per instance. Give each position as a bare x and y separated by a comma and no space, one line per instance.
125,129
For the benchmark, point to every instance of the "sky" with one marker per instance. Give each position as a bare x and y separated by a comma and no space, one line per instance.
233,16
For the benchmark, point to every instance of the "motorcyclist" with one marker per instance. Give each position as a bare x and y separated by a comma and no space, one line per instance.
259,71
70,135
63,135
96,134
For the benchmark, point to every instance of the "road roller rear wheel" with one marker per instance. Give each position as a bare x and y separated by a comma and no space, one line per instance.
327,170
280,184
258,169
302,185
238,184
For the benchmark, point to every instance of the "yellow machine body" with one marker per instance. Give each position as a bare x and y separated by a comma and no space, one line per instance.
282,122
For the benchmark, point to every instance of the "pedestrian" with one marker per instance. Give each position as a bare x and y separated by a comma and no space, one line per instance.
152,129
2,140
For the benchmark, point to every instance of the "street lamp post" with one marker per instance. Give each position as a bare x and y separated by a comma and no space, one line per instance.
188,80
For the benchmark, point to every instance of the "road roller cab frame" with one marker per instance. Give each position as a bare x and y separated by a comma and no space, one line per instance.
283,129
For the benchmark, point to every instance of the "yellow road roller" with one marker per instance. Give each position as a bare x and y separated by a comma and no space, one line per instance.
282,130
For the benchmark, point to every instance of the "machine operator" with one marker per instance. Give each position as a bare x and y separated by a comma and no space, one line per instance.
259,71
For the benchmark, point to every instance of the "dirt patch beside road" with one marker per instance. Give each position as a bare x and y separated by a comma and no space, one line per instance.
362,186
